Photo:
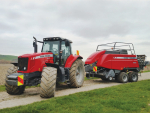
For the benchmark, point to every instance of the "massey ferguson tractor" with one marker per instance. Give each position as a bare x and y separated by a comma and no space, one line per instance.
119,62
55,63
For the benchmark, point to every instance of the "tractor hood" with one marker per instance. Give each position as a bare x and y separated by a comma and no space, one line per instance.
94,57
34,54
29,63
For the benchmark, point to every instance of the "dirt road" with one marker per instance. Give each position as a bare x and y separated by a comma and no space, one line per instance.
3,71
32,95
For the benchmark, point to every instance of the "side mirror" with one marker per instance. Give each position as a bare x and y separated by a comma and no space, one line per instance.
67,43
34,44
35,47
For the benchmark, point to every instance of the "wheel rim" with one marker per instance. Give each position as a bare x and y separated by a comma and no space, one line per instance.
134,77
79,74
125,78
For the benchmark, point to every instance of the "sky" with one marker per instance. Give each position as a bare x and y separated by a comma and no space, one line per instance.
87,23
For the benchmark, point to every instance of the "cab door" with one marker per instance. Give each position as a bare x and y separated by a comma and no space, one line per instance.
66,51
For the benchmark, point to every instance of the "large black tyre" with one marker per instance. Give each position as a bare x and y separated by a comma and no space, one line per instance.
133,76
123,77
13,90
77,73
48,82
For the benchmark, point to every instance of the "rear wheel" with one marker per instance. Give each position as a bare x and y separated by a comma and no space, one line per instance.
123,77
13,90
48,82
133,77
77,73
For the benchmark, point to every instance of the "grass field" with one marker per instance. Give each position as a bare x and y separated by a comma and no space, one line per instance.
8,57
2,87
126,98
91,78
145,71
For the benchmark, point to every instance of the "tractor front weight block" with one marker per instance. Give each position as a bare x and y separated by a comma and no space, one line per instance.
27,79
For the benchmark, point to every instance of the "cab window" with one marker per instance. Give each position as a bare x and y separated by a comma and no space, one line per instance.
52,46
65,52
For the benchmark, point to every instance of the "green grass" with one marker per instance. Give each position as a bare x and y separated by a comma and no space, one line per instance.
145,71
7,57
91,78
2,87
126,98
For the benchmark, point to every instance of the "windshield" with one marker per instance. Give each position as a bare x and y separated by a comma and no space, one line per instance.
51,46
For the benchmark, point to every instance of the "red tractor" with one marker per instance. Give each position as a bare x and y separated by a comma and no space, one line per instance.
119,62
55,63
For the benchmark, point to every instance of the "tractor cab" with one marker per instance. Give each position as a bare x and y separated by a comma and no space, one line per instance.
60,47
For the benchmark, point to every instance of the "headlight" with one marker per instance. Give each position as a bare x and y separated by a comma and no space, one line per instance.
24,68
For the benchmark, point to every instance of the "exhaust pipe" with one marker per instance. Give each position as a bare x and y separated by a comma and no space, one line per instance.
35,45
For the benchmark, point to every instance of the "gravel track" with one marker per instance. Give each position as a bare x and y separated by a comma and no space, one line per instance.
32,94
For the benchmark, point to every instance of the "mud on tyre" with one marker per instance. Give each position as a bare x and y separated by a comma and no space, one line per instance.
48,82
13,90
77,74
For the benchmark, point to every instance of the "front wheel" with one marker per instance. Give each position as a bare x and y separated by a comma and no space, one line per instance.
48,82
123,77
13,90
77,73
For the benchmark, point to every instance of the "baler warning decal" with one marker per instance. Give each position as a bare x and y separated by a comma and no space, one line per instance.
20,80
77,52
95,68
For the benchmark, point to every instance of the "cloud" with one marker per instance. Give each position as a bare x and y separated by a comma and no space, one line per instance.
87,23
144,43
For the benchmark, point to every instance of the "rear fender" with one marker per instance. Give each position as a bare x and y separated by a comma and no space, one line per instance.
71,59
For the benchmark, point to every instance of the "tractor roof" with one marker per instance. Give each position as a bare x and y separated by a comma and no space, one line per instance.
55,39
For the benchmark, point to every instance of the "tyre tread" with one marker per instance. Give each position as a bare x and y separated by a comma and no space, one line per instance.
48,82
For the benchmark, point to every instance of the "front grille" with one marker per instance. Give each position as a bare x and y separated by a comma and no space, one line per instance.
22,64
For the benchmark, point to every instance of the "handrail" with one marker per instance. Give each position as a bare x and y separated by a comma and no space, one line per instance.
115,45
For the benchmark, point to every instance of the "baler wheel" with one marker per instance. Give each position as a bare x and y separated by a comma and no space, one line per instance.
13,90
77,73
48,82
123,77
133,76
